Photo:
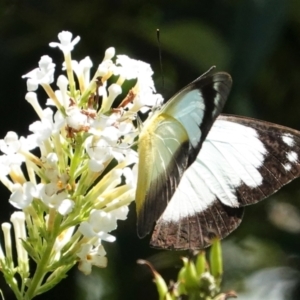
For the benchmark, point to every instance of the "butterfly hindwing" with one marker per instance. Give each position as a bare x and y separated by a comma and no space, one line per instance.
194,216
171,140
242,161
280,158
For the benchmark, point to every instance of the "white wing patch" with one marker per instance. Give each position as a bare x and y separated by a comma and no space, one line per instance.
191,196
288,139
287,167
217,99
225,162
238,151
189,111
292,156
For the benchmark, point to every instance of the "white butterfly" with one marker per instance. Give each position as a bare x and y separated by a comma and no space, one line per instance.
198,170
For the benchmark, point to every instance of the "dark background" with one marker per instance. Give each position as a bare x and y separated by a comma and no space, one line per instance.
256,41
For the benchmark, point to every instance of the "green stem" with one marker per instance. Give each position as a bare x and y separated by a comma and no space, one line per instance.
76,159
70,74
40,272
12,283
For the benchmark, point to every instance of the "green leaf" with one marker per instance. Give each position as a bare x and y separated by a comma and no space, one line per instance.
201,263
216,263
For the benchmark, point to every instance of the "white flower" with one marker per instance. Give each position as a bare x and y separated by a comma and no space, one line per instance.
51,160
22,196
109,53
130,176
42,130
101,149
5,165
65,207
86,167
76,119
62,83
104,144
82,69
42,75
55,198
120,213
102,221
126,128
114,91
105,67
10,144
66,44
32,99
6,228
61,241
98,225
145,101
102,121
145,76
130,158
18,220
61,94
91,256
129,68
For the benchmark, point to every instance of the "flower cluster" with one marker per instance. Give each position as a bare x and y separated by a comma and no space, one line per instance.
72,194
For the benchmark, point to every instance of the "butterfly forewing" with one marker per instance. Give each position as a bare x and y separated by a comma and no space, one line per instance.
242,161
163,151
170,142
197,105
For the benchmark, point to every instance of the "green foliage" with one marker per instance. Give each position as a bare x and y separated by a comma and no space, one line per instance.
198,279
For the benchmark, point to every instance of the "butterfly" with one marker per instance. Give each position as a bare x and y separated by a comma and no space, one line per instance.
199,168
